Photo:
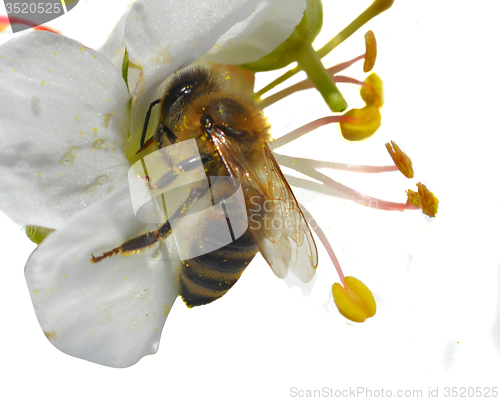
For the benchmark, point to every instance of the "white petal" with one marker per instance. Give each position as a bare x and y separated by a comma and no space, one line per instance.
63,115
163,36
114,47
166,35
271,24
111,312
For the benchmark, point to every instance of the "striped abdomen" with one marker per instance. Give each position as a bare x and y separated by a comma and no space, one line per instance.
208,277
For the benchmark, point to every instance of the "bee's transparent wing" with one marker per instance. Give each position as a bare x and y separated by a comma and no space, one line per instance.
275,219
111,312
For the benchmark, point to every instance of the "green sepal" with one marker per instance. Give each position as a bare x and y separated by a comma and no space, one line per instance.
286,53
125,65
37,234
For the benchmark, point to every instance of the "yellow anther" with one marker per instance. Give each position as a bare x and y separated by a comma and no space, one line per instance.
355,301
371,51
361,123
372,92
424,198
401,160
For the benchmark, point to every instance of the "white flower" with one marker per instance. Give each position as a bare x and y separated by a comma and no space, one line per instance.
65,134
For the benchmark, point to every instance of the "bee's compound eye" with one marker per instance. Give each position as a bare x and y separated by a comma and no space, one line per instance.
235,133
184,89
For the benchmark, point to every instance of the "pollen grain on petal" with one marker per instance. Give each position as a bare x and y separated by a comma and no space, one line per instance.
51,335
69,158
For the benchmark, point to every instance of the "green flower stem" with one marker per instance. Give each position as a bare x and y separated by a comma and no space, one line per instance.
377,7
310,62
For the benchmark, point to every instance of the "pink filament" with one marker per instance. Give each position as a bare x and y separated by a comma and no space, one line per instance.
357,168
307,83
321,235
301,166
305,129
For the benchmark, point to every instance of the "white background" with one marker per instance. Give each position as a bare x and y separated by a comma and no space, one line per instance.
436,281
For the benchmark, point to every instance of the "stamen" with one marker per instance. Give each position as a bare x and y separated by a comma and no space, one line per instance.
308,84
354,299
369,56
356,196
305,129
355,302
347,80
343,66
371,51
321,235
424,199
314,186
401,160
360,124
372,91
376,8
355,168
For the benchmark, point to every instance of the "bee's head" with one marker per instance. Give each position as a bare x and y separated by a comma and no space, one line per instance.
179,94
196,102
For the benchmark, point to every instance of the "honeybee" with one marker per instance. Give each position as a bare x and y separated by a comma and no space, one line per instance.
231,135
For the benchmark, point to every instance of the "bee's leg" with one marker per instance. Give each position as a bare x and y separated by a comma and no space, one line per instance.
137,243
148,239
184,166
151,141
146,122
163,133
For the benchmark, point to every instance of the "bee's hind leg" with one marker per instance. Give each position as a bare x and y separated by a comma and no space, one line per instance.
137,243
146,240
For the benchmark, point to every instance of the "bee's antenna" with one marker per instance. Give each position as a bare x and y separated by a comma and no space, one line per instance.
146,122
